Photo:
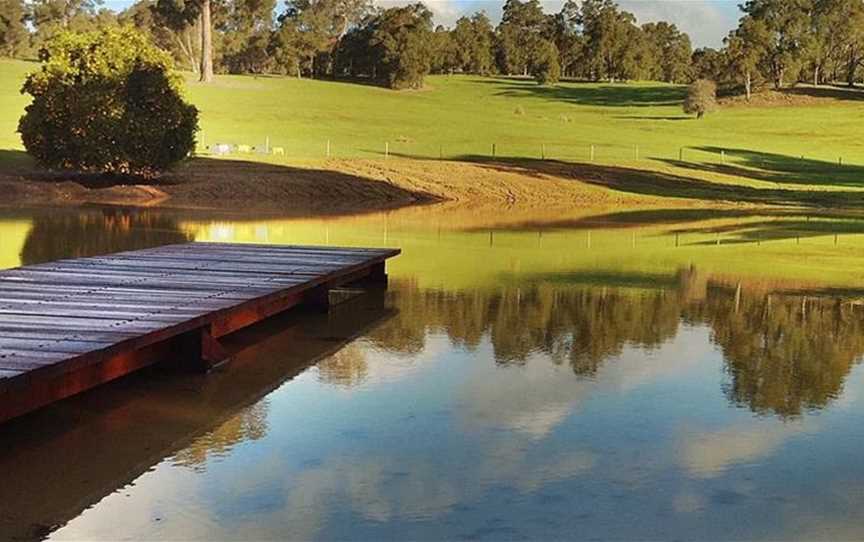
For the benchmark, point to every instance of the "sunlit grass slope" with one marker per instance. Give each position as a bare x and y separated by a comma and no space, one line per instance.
638,125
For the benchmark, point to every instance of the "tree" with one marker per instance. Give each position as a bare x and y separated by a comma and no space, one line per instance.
746,47
473,42
613,42
245,34
175,37
520,34
563,30
402,41
13,31
179,15
669,50
106,102
701,98
54,15
546,69
787,25
443,48
313,29
708,63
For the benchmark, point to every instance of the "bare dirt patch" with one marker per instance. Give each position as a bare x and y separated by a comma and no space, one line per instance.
323,187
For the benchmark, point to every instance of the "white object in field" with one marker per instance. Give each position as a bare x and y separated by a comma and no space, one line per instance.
278,151
244,148
221,148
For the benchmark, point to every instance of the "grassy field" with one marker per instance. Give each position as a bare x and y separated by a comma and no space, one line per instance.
636,126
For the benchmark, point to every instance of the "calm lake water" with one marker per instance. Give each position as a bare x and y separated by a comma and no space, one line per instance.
651,374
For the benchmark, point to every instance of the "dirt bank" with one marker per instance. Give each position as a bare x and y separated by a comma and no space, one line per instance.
352,186
322,187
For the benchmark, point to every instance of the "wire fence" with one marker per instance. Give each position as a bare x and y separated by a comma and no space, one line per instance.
820,159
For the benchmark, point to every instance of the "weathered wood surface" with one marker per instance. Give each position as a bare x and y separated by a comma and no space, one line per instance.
69,325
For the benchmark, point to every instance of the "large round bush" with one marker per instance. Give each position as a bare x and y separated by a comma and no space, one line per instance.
107,102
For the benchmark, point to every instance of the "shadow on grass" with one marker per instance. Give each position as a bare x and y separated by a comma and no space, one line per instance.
664,184
655,117
19,163
832,92
594,94
211,183
13,161
777,168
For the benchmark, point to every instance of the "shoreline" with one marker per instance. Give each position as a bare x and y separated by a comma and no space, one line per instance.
354,186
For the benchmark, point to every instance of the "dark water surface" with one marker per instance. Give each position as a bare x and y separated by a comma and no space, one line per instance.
631,375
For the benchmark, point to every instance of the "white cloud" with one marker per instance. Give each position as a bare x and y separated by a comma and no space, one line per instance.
707,22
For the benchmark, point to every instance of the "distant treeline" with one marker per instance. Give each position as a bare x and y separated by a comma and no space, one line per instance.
778,42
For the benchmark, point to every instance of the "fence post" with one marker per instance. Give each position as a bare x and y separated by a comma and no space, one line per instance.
636,151
542,151
328,148
440,151
592,153
386,150
681,154
267,145
493,150
722,156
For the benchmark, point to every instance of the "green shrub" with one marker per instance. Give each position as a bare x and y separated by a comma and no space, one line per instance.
701,98
106,102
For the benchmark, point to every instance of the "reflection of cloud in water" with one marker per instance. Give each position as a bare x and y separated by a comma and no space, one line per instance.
532,399
710,454
396,488
536,397
165,508
387,368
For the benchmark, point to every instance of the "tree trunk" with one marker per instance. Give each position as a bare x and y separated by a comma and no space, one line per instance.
206,44
850,69
816,76
748,85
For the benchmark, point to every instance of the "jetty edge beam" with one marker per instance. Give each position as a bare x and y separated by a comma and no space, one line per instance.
70,325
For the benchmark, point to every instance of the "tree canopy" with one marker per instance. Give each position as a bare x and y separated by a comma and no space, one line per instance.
777,43
106,101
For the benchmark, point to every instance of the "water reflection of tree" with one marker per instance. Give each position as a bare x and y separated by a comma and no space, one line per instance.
782,356
347,367
249,424
88,233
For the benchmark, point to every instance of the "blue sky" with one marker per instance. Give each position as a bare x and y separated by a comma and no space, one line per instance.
707,21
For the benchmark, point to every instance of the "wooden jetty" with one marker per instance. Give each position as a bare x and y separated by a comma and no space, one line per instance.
71,325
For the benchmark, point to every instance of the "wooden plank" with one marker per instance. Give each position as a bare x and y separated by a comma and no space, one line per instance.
180,264
42,291
8,373
72,346
165,284
113,306
47,334
281,250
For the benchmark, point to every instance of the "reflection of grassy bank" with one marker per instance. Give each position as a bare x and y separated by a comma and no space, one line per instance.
461,247
798,253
